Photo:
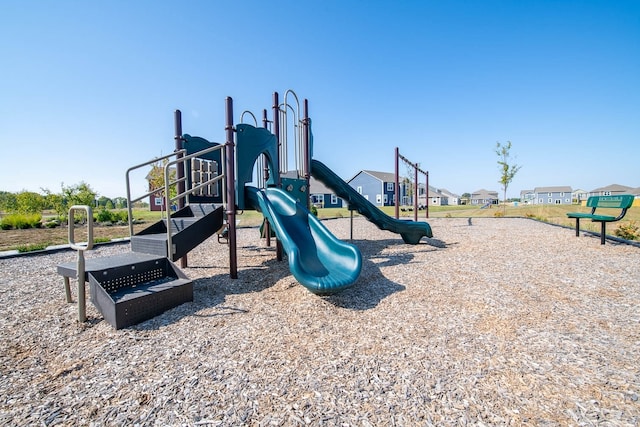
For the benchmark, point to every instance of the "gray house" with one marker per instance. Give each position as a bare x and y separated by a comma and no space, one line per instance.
611,190
527,197
377,187
321,196
559,195
452,198
436,196
484,197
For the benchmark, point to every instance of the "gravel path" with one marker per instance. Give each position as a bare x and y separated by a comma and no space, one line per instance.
498,322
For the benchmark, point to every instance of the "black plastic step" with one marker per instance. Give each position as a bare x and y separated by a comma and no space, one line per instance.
190,227
134,292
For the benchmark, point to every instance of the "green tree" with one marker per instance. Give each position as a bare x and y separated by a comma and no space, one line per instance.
105,202
79,194
29,202
55,202
120,202
156,179
7,202
507,169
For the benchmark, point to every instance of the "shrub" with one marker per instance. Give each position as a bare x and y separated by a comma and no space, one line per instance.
121,216
21,221
629,231
32,247
53,223
314,210
104,215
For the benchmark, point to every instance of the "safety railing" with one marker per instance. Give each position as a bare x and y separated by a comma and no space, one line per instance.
180,157
168,183
80,265
131,201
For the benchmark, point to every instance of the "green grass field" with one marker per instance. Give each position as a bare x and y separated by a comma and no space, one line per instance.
553,214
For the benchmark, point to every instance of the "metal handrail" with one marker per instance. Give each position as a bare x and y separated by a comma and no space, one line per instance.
168,183
80,265
130,202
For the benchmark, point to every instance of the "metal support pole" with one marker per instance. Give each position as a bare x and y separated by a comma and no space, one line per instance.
415,192
80,266
177,118
231,188
351,225
397,185
267,226
427,185
276,132
305,142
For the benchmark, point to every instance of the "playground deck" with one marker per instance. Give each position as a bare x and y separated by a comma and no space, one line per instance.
497,321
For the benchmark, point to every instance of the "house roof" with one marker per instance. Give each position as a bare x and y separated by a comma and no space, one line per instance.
556,189
482,193
613,187
382,176
449,193
317,187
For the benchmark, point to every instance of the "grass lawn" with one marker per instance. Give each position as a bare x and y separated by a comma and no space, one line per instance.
554,214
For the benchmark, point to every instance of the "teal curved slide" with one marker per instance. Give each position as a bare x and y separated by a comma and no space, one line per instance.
317,259
410,231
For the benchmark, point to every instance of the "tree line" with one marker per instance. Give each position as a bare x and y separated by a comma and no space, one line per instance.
28,202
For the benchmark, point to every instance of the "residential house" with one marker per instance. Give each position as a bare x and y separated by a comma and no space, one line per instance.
452,198
611,190
579,195
527,197
377,187
484,197
321,196
436,197
559,195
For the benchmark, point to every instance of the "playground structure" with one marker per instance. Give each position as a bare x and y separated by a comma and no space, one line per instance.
211,184
416,169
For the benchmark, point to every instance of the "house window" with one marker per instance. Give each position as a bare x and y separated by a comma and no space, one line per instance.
334,199
558,201
550,200
378,198
386,199
157,201
606,193
549,194
541,200
389,186
359,189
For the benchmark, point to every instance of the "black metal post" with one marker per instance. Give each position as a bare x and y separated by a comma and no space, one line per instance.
426,174
231,187
397,184
276,132
306,129
267,226
177,119
415,192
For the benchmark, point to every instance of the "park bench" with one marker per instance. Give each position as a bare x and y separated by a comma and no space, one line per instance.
622,202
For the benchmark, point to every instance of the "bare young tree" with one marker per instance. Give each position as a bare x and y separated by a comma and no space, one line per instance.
507,170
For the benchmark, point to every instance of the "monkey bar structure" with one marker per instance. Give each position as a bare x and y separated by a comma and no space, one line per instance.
416,169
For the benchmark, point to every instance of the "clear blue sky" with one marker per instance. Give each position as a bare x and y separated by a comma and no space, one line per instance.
88,88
